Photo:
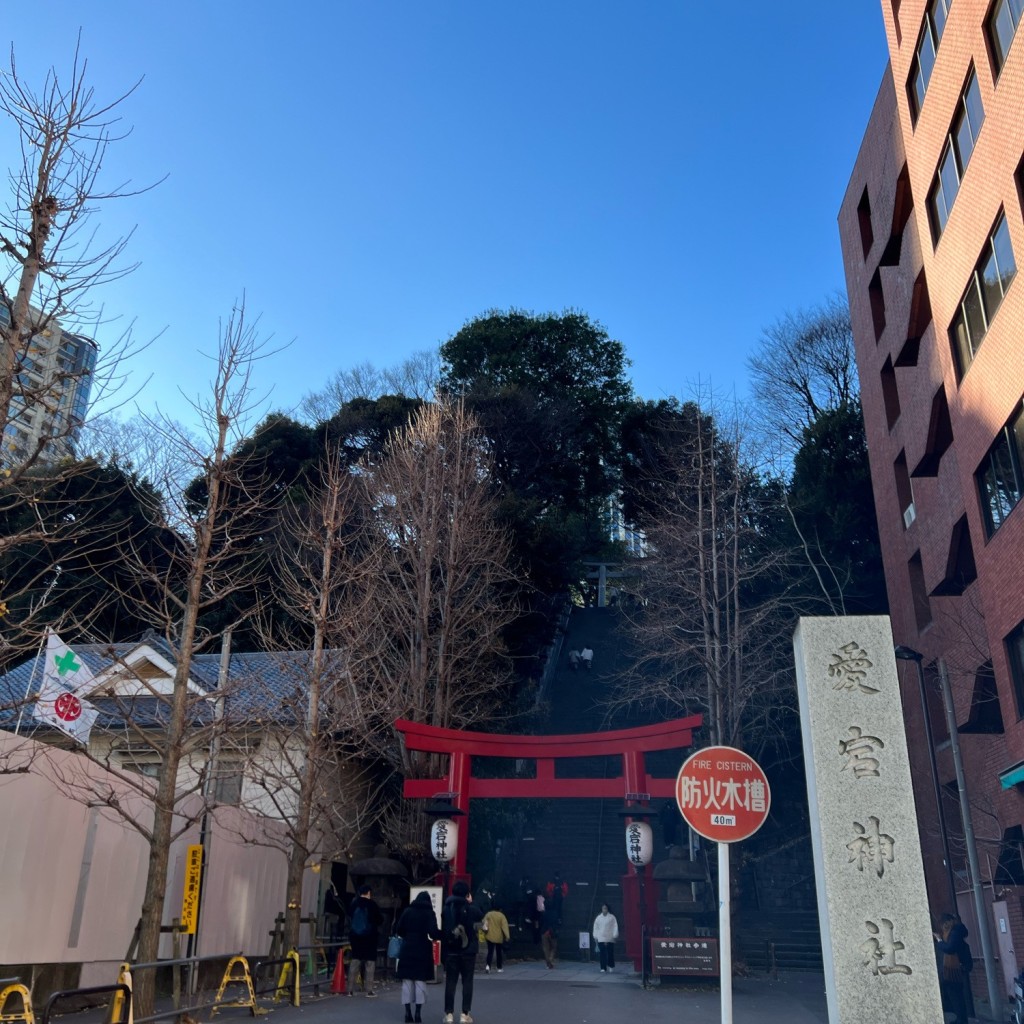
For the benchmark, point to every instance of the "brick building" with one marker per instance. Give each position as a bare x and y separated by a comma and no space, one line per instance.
932,235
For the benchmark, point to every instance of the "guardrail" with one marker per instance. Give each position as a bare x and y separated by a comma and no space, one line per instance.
128,971
291,981
122,999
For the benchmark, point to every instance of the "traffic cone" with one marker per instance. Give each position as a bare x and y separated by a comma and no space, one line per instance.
338,981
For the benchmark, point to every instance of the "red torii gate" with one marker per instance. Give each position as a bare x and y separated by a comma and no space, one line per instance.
633,785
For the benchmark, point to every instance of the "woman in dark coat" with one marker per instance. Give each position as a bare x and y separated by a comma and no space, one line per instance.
955,961
418,927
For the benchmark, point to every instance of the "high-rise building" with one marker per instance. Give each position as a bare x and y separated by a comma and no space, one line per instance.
932,235
51,393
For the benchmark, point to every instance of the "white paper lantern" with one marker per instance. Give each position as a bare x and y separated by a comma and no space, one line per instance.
444,839
639,843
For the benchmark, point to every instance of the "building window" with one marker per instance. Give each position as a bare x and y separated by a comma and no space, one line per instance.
867,234
1002,26
904,490
985,290
961,570
956,155
140,761
227,782
890,394
940,436
924,54
1000,477
986,715
1015,655
876,297
919,593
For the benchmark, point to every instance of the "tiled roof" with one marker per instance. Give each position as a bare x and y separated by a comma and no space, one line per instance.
263,688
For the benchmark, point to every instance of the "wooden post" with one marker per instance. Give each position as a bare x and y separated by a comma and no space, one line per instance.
176,955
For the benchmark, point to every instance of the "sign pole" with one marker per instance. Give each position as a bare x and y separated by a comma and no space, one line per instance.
725,931
723,795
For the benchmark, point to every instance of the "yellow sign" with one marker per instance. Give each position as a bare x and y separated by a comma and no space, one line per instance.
190,897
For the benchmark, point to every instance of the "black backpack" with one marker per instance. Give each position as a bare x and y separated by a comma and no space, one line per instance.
456,934
361,920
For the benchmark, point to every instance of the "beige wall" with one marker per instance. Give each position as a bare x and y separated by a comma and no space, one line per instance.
60,904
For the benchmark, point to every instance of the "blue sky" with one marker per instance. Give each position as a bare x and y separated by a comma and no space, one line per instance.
374,174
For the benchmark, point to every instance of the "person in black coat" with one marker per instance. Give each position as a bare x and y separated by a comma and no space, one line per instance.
418,928
364,921
459,959
955,961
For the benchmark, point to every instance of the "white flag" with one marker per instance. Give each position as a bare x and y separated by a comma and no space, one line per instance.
65,667
56,705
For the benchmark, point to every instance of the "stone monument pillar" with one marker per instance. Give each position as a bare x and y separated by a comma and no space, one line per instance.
876,927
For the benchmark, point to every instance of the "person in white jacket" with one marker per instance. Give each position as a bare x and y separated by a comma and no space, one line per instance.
606,931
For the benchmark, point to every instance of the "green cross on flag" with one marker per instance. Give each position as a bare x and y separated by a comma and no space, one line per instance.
61,701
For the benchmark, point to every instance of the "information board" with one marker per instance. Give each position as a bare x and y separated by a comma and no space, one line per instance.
685,957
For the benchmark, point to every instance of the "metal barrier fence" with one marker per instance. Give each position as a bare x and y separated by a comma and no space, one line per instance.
120,989
309,971
291,981
193,963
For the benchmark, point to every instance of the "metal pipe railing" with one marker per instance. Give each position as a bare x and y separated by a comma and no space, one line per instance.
120,988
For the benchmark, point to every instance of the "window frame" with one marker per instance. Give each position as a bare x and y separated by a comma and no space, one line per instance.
998,53
953,162
931,32
1013,645
1008,448
975,302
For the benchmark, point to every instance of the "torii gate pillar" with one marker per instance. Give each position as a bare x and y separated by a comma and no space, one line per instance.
458,783
634,786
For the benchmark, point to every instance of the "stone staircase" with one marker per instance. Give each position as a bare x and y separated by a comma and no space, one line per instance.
775,927
779,940
583,840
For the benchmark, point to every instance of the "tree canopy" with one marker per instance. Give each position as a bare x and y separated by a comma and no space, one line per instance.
549,392
833,510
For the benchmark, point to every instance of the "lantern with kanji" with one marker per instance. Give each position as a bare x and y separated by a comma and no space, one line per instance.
444,840
639,843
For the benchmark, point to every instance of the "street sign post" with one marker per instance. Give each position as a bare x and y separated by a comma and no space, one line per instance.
723,795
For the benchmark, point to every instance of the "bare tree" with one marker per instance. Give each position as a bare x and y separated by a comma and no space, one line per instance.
710,631
138,443
205,578
51,258
415,377
804,366
170,726
325,791
423,630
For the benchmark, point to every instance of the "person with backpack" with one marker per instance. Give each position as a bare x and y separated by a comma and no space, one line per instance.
459,946
364,921
556,892
418,928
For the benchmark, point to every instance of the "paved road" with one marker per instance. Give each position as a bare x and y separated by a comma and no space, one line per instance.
580,994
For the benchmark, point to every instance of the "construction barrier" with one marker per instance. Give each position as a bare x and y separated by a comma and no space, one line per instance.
231,977
25,1016
122,996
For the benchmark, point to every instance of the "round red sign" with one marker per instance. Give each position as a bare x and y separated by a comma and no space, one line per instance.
723,794
68,707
